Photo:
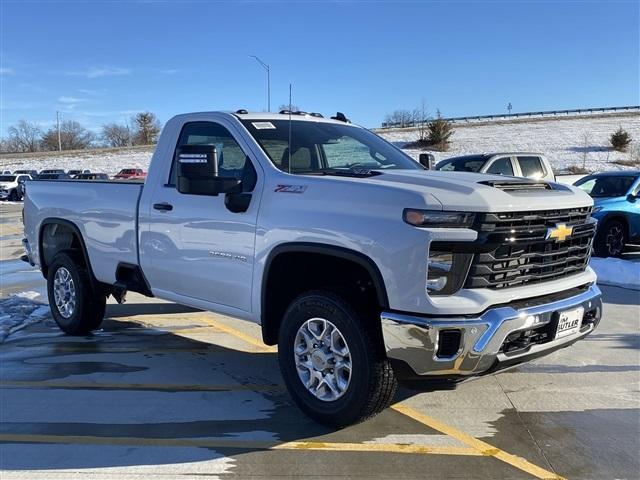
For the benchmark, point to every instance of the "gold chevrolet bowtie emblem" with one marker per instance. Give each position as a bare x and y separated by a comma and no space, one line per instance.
560,233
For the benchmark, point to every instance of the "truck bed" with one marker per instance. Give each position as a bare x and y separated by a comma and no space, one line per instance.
105,213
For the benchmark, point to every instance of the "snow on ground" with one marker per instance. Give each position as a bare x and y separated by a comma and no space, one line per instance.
19,311
617,272
560,139
110,162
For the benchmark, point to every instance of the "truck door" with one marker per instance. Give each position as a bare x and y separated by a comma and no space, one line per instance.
195,246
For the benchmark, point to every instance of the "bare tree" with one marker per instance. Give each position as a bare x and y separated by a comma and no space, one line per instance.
25,136
285,106
116,135
400,118
421,119
147,128
73,136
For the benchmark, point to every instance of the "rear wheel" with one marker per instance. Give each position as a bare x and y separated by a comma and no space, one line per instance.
611,239
334,369
75,307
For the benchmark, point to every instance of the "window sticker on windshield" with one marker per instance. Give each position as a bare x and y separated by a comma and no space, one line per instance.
263,125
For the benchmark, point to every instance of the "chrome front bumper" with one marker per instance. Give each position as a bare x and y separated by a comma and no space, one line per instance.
414,339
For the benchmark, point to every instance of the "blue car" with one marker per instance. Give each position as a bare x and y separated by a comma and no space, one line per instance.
617,209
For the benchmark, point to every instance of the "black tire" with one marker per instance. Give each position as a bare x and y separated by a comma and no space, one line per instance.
372,384
89,308
611,239
13,196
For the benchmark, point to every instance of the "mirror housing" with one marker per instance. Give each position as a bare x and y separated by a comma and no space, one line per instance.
427,160
198,172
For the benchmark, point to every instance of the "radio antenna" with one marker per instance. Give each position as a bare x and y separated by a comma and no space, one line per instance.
289,149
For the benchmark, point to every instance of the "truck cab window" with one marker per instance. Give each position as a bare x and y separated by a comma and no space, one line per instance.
501,166
531,167
232,161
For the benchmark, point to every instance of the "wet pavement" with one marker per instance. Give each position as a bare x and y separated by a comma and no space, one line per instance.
165,391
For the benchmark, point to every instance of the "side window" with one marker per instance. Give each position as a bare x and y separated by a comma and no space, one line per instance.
531,167
232,161
501,166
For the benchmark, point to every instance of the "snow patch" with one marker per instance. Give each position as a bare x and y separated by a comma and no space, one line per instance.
18,312
30,295
562,141
617,272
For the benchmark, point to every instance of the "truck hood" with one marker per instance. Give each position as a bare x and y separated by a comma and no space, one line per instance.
462,191
7,185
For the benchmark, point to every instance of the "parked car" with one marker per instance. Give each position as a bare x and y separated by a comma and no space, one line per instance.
6,172
74,173
12,187
52,171
32,173
529,165
91,176
53,176
130,174
285,222
617,208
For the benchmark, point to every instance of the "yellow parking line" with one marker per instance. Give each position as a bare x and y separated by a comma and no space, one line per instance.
478,445
482,447
240,444
140,386
238,334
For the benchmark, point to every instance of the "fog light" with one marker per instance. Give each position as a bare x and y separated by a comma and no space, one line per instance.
439,268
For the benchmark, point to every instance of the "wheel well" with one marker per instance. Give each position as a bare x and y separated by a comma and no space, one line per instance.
296,270
57,235
620,218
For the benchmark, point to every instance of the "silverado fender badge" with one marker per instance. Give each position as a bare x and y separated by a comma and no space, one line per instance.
290,188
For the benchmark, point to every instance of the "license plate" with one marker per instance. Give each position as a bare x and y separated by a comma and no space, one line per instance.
569,322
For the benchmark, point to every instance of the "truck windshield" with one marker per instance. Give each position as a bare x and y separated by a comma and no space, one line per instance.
322,147
7,178
468,163
606,186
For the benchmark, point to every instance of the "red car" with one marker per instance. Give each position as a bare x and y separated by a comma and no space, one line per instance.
130,174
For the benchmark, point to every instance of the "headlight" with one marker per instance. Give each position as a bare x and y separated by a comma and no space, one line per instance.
446,271
429,218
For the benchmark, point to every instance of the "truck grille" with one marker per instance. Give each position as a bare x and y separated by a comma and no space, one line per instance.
519,250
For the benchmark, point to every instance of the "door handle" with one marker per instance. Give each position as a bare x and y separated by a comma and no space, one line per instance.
164,206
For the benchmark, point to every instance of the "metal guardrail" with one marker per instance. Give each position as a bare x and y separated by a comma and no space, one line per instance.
547,113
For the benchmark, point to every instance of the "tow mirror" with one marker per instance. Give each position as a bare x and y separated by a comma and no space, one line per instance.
198,172
427,160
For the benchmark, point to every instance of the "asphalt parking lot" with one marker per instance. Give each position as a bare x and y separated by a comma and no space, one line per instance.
164,391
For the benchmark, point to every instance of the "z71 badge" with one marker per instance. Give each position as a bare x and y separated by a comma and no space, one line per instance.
291,188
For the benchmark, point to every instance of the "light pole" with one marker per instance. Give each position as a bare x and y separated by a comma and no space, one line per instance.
509,107
58,127
266,67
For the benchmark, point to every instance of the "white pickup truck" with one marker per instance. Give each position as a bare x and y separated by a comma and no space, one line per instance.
363,267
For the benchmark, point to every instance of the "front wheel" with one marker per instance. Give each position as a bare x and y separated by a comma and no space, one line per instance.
74,306
13,196
611,239
332,361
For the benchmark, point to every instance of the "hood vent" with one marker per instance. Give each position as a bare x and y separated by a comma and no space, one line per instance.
517,185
